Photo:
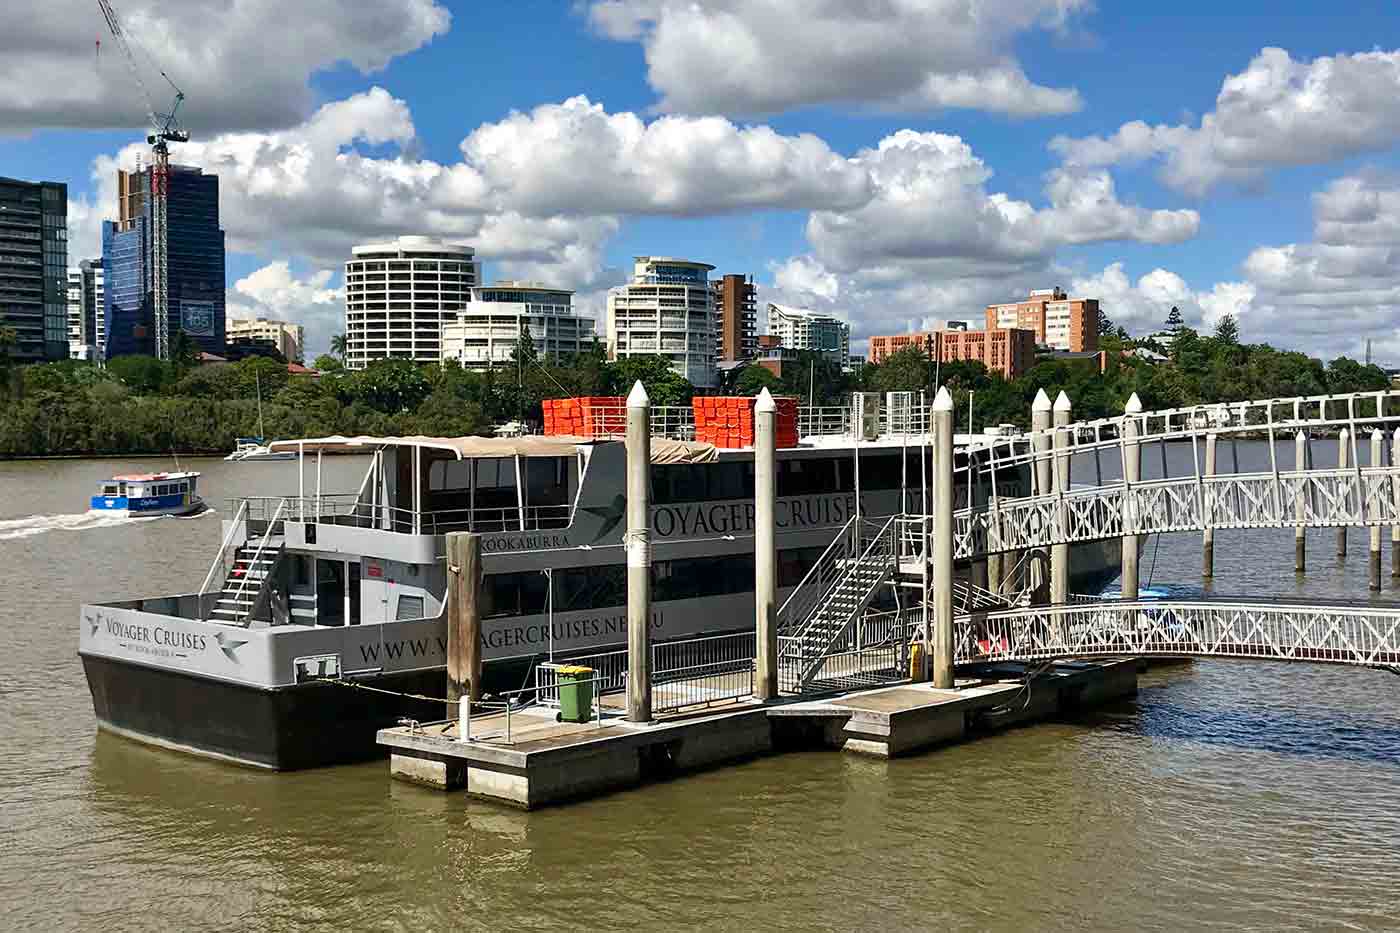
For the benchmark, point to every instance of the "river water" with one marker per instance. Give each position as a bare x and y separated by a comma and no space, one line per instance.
1230,795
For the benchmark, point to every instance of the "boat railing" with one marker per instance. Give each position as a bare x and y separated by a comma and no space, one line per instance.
346,509
823,420
255,563
221,562
684,672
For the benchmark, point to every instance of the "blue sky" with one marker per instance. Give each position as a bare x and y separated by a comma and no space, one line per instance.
1003,165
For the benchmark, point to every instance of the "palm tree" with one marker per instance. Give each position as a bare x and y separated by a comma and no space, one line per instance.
338,346
9,339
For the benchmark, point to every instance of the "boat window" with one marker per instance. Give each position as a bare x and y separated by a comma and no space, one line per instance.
136,492
884,471
794,563
449,474
702,576
708,482
547,480
109,489
515,594
814,476
586,588
495,484
590,587
409,607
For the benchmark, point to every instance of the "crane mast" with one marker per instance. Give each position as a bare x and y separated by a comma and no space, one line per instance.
165,129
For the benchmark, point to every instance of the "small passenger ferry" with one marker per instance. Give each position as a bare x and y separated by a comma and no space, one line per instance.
316,593
143,494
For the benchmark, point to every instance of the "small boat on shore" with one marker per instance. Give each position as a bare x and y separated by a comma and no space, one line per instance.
253,448
149,494
247,449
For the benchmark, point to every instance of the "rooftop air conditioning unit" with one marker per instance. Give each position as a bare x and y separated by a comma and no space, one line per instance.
865,415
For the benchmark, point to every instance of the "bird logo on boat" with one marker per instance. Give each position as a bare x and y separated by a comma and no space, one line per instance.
611,515
93,622
228,646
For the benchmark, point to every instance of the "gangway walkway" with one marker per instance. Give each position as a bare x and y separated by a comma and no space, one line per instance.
1275,630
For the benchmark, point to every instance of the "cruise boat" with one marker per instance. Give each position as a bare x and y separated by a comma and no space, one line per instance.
254,448
149,494
314,595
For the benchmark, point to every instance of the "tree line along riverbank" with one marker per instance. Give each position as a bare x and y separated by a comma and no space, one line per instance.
140,405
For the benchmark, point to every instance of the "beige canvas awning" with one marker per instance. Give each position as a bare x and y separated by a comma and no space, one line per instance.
662,450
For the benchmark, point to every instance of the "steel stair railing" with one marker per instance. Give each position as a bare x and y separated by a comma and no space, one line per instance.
238,598
841,606
221,559
820,578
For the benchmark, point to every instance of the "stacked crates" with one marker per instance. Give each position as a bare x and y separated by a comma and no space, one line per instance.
591,416
728,421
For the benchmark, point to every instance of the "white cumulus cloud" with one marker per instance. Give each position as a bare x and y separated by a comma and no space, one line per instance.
274,292
1277,112
769,56
243,64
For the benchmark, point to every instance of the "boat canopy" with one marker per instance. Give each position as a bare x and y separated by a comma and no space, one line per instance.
465,448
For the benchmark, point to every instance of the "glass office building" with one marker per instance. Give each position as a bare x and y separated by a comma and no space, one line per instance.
195,251
34,268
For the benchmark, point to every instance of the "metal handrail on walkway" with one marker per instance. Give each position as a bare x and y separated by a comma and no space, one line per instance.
1332,633
1311,498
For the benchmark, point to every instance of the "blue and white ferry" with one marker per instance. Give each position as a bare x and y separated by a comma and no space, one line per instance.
140,494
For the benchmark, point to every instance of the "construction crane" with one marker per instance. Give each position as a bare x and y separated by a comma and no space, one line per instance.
165,129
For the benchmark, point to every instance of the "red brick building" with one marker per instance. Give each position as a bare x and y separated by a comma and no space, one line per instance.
1008,351
1058,321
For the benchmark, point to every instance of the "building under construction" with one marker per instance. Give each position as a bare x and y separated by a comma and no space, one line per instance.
195,270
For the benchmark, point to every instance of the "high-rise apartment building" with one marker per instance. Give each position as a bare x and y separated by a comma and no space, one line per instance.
87,314
668,310
1008,351
194,256
1058,321
486,334
287,339
800,329
34,268
399,295
736,304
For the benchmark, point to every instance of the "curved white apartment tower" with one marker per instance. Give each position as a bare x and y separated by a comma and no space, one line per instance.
667,309
399,294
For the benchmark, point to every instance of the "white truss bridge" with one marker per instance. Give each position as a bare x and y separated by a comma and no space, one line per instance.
1073,507
1310,499
1271,630
829,639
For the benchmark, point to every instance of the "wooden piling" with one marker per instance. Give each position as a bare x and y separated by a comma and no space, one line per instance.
463,616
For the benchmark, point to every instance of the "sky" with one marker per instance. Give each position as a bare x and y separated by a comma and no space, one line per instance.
898,163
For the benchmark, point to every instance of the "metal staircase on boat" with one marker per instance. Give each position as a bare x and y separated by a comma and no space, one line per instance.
245,583
844,580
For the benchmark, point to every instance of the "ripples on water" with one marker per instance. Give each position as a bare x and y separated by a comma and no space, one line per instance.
1229,795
